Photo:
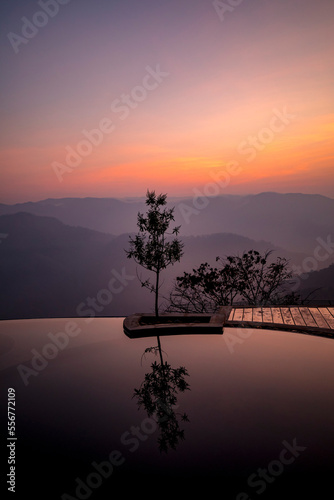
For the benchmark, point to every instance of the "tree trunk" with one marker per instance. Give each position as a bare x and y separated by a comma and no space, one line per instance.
160,351
157,294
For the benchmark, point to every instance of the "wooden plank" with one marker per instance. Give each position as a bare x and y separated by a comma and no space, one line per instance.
257,315
238,314
267,315
331,310
308,318
297,317
230,318
318,317
277,316
248,314
287,317
328,317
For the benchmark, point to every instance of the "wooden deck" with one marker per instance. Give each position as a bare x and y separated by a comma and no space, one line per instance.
314,320
317,321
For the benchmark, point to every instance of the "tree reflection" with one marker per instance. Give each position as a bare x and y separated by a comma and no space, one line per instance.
158,393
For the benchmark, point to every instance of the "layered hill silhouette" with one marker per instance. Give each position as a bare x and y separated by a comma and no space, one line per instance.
292,221
320,284
52,269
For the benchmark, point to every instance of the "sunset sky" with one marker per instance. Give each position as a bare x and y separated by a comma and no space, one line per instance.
111,97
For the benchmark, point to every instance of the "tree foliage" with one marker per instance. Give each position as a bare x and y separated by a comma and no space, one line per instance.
158,395
151,247
249,279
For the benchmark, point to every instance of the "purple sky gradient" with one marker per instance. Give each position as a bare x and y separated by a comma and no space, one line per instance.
225,78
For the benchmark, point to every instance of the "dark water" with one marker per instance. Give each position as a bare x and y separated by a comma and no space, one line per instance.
256,420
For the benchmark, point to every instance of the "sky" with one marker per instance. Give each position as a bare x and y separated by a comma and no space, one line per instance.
187,97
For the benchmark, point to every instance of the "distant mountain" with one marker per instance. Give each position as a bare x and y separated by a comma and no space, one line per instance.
50,269
319,285
45,265
292,221
101,214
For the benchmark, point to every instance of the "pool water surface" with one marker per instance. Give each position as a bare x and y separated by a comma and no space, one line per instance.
250,413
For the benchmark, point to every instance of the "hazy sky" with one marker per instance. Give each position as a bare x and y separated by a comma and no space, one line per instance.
111,97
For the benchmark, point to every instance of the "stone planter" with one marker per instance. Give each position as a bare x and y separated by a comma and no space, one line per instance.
148,325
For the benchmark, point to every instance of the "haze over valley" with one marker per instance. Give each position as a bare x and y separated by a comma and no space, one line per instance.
57,254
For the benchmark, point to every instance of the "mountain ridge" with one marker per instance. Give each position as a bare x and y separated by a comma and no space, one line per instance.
48,268
292,220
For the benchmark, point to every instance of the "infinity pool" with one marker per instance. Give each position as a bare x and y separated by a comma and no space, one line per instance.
243,415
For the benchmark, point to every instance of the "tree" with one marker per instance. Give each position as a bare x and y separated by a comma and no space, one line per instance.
158,395
262,283
150,248
250,279
204,290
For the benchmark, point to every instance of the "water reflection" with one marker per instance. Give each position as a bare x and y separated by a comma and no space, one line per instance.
158,395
